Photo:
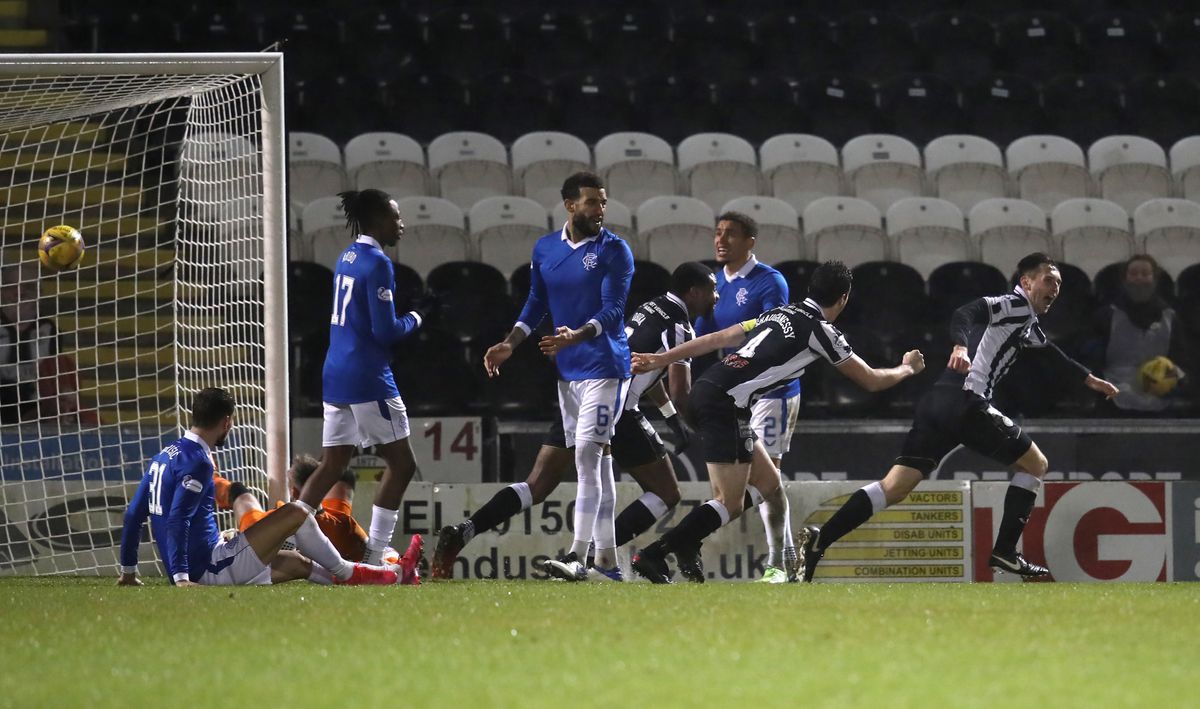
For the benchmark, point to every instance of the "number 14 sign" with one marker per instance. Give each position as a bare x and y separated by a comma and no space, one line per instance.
448,450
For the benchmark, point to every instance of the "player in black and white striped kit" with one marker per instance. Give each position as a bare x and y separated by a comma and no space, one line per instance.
987,333
774,348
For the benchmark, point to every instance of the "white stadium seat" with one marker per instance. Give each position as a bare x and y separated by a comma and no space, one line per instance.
779,237
882,169
469,167
676,229
435,232
927,232
505,230
617,218
1092,233
297,245
314,167
636,167
543,160
718,167
391,162
845,229
1047,169
1007,230
965,169
325,230
1169,230
801,168
227,166
1129,170
1185,166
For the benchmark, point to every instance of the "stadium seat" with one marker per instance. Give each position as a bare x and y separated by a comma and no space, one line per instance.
310,299
325,230
793,38
469,41
617,218
844,229
468,277
469,167
506,228
1003,107
475,303
553,42
843,396
636,167
391,162
779,236
1129,170
432,371
675,229
718,167
435,232
759,106
1083,108
1006,230
1047,169
124,28
1121,44
1163,108
314,167
1169,230
1181,42
839,106
1092,233
592,105
958,45
635,36
920,107
882,169
673,106
225,29
800,168
649,281
1185,167
409,286
1070,318
965,170
1188,299
888,298
954,284
527,386
508,104
1038,43
382,37
428,104
797,274
226,166
927,232
713,42
541,161
876,45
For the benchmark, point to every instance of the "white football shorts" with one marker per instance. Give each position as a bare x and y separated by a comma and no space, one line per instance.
590,408
234,563
773,421
365,424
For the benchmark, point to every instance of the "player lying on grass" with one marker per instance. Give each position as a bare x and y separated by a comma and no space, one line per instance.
988,334
334,517
772,348
660,323
176,494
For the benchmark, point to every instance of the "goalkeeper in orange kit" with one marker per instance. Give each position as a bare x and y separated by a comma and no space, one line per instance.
334,517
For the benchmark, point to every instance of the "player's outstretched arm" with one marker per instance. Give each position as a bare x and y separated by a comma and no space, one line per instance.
1096,384
731,336
131,533
499,353
873,379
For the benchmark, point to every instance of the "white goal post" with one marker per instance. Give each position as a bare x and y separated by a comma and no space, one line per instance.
172,166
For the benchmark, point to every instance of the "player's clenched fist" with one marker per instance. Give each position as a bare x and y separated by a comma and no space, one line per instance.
959,361
914,359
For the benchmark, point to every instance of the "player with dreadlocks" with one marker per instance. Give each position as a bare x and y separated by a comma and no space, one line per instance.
362,404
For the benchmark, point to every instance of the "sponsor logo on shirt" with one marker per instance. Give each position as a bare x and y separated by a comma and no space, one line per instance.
590,261
742,297
734,361
349,256
192,484
385,294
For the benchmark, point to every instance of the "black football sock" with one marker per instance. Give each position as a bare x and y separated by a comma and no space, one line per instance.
633,520
692,529
1018,504
504,504
849,517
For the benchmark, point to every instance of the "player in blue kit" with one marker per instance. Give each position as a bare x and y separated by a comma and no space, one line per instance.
580,277
176,494
748,288
362,404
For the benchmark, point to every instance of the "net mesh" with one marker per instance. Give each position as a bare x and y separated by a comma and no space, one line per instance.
163,177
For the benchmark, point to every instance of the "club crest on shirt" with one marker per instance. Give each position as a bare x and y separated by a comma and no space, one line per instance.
385,294
192,484
590,261
742,296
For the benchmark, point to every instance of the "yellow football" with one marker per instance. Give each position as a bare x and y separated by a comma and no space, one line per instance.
1158,376
60,248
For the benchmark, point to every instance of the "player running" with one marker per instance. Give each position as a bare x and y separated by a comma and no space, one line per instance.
772,348
748,288
580,276
988,334
334,517
176,493
656,325
362,404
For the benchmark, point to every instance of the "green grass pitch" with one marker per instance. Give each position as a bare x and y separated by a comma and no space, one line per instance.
71,642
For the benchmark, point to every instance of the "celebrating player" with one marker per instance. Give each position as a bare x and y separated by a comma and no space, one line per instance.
748,288
657,325
362,404
774,347
987,333
176,493
580,276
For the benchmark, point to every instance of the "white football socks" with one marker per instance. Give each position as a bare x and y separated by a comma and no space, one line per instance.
604,532
383,526
587,495
312,542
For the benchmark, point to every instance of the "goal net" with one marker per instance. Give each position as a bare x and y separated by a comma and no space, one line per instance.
171,167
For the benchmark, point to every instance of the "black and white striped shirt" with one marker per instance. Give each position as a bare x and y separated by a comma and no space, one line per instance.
656,326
